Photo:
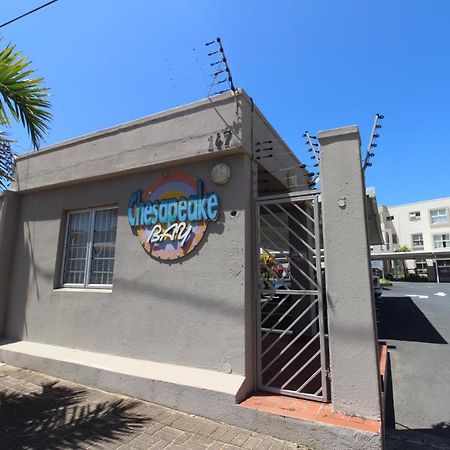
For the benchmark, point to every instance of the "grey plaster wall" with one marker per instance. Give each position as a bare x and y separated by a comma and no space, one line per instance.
190,313
262,140
174,135
199,312
9,208
355,381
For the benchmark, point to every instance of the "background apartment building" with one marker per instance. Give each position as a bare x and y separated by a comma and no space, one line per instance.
423,227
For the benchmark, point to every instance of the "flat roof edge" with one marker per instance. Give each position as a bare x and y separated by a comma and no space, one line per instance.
418,202
133,170
136,123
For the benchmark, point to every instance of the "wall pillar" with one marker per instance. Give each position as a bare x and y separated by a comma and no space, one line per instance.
9,209
355,383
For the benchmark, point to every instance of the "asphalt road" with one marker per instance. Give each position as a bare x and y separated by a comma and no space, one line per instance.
414,319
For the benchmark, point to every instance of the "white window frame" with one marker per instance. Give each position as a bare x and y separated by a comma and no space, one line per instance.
414,215
442,240
90,242
438,209
412,240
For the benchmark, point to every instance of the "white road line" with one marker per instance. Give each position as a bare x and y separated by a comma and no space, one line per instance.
440,294
419,296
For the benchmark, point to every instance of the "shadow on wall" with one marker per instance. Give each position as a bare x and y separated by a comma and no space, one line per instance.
60,417
400,319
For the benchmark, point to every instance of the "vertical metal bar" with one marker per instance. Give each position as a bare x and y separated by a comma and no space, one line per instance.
323,361
89,248
258,294
437,270
256,288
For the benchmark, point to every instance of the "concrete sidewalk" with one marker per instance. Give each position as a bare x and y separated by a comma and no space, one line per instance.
42,412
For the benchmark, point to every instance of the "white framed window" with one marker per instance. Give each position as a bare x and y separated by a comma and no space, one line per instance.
417,240
89,248
421,266
442,240
414,215
439,215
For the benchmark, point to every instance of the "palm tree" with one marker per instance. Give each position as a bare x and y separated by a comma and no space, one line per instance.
23,99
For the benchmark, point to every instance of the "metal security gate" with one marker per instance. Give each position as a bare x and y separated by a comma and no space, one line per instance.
292,354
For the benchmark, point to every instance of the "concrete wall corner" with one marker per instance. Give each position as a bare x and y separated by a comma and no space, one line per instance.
9,212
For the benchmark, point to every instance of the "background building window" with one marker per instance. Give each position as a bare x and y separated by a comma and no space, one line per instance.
439,216
389,218
421,267
441,240
394,239
443,267
90,248
417,240
415,215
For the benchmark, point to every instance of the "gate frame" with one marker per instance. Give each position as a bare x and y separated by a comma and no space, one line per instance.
310,195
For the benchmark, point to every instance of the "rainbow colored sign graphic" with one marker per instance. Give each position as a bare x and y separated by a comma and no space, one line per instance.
171,216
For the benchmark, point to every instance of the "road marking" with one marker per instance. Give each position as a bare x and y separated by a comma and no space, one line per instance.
419,296
441,294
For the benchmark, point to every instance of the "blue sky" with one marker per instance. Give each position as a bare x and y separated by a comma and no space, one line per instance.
309,64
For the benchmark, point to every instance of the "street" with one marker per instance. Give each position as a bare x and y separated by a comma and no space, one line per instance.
414,320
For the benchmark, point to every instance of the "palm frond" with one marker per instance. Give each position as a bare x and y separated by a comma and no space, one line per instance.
22,98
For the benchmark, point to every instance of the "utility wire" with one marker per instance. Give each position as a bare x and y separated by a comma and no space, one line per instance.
27,13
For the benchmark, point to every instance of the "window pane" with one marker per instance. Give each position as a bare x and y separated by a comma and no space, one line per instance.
442,241
439,216
417,240
103,247
76,248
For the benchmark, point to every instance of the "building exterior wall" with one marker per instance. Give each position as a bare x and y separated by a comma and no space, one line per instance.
156,310
191,312
398,230
181,333
9,208
405,228
162,139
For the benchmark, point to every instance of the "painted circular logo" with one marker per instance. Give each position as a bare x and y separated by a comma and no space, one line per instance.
171,216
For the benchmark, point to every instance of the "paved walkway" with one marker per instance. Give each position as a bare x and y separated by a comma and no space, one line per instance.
41,412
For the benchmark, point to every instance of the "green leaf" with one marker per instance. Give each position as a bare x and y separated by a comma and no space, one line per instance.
22,97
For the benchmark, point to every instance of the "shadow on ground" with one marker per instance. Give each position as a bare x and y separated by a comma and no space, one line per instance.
435,438
61,417
400,319
400,437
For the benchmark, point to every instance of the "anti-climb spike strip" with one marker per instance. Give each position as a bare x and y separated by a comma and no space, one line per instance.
374,135
222,62
7,163
314,148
